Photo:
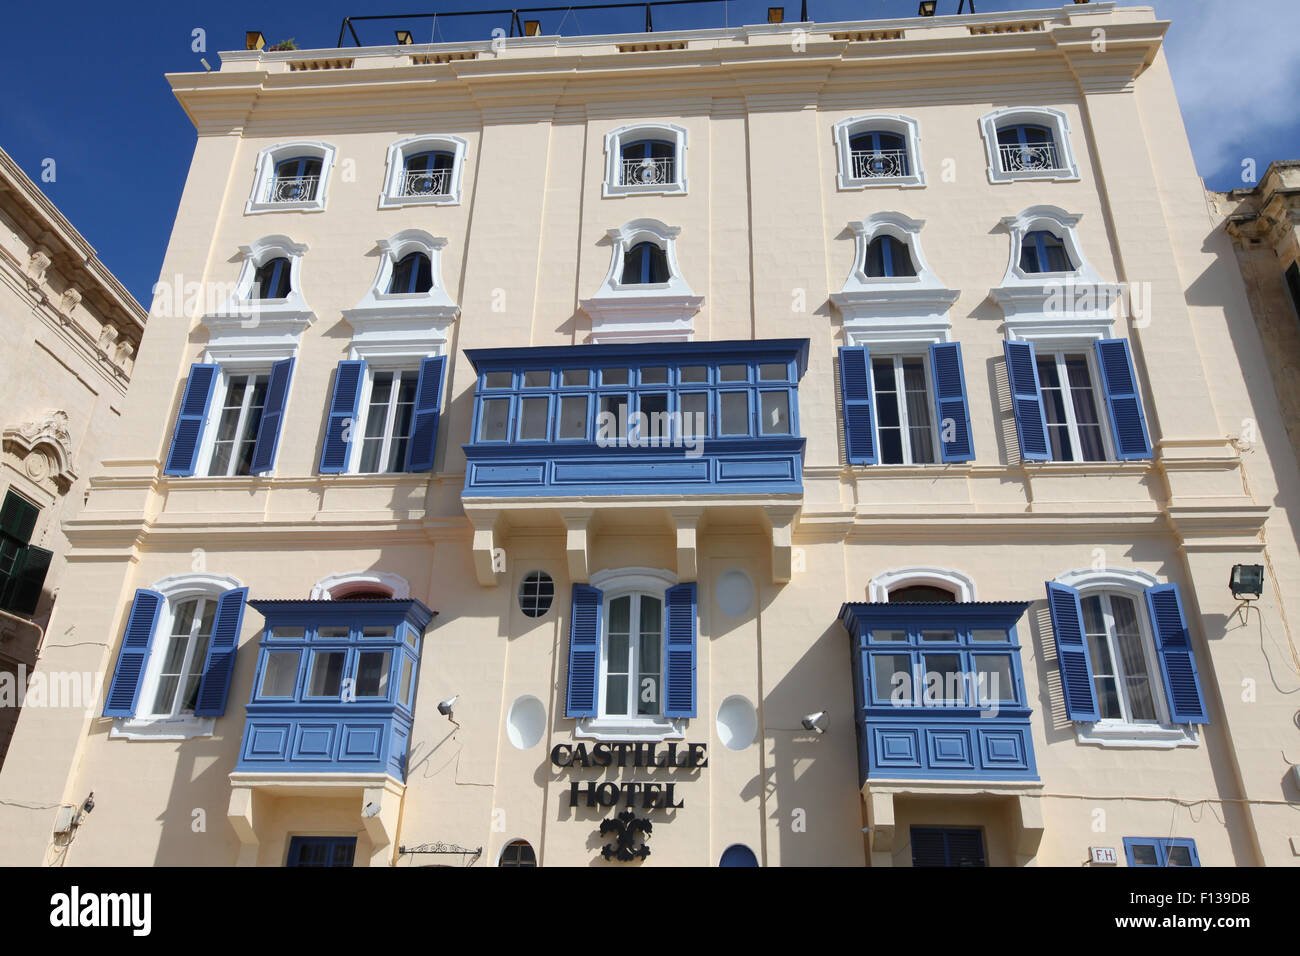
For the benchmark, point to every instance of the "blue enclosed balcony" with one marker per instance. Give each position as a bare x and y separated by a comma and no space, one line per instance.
588,436
334,690
938,692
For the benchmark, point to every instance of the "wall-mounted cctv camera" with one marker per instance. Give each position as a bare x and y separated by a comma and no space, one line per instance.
445,706
371,809
814,722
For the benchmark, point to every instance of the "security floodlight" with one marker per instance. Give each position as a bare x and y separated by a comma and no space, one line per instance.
776,14
1246,581
403,37
253,40
926,9
89,804
445,706
813,722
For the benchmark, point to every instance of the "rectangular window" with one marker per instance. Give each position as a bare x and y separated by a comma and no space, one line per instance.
774,413
571,377
893,678
408,668
1120,670
498,379
952,666
693,374
1070,407
182,664
653,424
387,426
733,413
904,423
494,419
322,851
372,673
573,417
695,415
634,657
326,673
280,675
534,414
1161,851
17,523
947,847
537,378
994,679
239,416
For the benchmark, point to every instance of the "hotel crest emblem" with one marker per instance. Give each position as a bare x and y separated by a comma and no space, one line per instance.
626,827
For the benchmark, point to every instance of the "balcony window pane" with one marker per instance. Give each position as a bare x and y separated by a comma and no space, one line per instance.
893,677
575,376
654,376
733,373
654,424
936,637
533,415
326,673
280,675
773,372
495,416
734,411
498,379
537,378
889,637
943,677
407,671
985,636
573,416
377,631
372,673
613,424
339,632
695,415
285,631
613,376
693,374
993,679
774,417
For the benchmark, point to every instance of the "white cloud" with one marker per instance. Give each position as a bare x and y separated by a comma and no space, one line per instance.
1236,68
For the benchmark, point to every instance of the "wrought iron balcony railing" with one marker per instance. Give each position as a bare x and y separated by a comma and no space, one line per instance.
649,172
293,189
426,182
1032,158
869,164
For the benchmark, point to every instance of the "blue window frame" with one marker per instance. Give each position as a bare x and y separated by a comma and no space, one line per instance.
271,279
645,264
321,851
933,846
412,273
296,179
1027,147
1161,851
1041,251
876,153
428,173
889,257
648,162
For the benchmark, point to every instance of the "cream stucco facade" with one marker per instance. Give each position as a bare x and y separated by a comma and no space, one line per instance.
759,223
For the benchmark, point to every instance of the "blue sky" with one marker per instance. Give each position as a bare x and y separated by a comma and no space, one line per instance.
86,89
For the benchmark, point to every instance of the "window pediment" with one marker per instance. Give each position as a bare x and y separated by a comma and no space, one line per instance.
418,317
244,327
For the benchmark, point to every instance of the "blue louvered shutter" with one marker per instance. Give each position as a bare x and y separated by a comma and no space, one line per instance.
1120,384
855,392
1026,400
214,686
584,651
1177,662
679,651
950,402
141,623
1072,653
268,430
342,421
184,453
424,423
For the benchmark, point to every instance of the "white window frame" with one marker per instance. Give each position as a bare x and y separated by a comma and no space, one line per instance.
404,322
962,585
618,583
897,356
397,586
1053,119
394,364
1058,352
390,197
264,173
642,312
1160,734
175,589
896,123
614,140
208,444
635,596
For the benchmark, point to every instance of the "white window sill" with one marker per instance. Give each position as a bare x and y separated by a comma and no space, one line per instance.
870,181
1117,733
432,199
161,728
654,189
311,205
1048,175
623,728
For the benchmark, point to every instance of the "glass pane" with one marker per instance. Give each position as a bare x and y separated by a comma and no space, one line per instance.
654,376
533,415
654,422
498,379
573,416
613,376
1128,644
285,631
981,636
943,677
326,673
613,424
575,376
620,615
616,695
734,410
1144,854
492,424
993,678
407,670
773,372
733,373
939,636
537,378
280,675
694,373
695,415
892,677
333,632
1178,856
917,399
377,630
889,637
774,414
372,673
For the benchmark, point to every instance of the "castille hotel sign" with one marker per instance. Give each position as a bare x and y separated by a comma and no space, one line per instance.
648,755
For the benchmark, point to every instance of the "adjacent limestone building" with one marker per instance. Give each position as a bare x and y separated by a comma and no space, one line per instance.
70,333
784,444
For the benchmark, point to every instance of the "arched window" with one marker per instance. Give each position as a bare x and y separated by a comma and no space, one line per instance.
921,592
631,684
877,153
1043,251
888,257
360,586
645,264
1121,659
1025,147
517,853
413,273
271,279
738,855
648,162
297,179
428,173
